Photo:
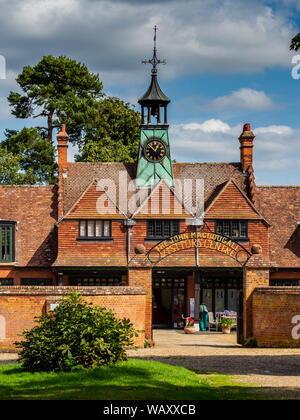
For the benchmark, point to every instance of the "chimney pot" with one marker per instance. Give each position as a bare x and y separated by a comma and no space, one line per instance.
247,127
62,132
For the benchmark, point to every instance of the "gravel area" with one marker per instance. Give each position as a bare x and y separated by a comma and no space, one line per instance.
271,369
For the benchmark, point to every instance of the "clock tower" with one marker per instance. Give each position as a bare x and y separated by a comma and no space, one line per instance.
154,159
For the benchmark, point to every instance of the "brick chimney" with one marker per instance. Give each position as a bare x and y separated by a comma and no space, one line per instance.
62,161
246,147
62,147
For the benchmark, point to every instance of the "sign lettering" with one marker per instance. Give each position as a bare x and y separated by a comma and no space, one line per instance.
200,240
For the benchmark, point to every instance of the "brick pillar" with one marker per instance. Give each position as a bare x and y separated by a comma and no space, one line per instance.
140,274
143,277
256,273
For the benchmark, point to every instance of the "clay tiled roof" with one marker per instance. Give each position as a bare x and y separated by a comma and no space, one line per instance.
281,207
81,174
115,260
232,202
34,208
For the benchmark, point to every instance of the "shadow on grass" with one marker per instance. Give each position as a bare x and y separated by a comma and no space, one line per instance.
132,380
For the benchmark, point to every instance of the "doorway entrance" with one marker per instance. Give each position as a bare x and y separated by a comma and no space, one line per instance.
169,301
220,291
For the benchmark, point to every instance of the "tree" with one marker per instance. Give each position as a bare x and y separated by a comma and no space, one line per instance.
64,91
113,135
34,154
11,171
75,334
295,43
58,89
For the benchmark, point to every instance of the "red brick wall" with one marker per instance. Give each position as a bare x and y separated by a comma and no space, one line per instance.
19,306
72,252
257,231
142,277
34,208
273,309
252,278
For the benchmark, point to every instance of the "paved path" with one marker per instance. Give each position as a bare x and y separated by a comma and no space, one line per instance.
278,369
8,358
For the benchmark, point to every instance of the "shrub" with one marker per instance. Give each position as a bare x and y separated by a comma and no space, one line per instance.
75,334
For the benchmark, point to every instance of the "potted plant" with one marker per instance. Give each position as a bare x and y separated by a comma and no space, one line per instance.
190,326
226,324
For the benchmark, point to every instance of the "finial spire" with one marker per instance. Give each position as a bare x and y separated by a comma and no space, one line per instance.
154,61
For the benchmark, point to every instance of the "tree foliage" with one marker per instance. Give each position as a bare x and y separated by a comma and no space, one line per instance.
295,43
75,334
11,171
113,136
62,90
57,88
35,155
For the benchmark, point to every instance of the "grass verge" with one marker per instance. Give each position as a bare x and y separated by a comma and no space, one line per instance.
132,380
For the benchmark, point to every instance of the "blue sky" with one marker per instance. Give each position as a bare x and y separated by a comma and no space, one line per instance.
228,64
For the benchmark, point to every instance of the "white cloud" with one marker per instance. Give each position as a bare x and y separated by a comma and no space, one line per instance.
243,98
276,148
282,130
209,126
6,86
112,37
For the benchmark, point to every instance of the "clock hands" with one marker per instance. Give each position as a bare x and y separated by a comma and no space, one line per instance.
153,147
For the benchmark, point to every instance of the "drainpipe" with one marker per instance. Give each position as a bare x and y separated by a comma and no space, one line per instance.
197,248
129,223
197,222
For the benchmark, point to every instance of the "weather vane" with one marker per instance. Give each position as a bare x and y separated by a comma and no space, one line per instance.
154,60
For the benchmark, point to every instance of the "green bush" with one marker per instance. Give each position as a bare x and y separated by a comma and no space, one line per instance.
75,334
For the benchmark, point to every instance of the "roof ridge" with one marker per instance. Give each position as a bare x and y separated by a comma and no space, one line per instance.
206,163
278,186
26,186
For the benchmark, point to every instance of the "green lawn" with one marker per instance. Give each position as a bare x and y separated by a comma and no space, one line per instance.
132,380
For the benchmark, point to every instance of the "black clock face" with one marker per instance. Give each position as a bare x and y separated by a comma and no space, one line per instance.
155,150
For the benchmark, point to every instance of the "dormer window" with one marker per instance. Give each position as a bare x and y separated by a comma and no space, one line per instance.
234,229
95,230
7,234
162,229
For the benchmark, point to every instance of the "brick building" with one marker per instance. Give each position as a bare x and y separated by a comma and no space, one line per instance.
157,235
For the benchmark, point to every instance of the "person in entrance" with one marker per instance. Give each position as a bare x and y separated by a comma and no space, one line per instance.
203,317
